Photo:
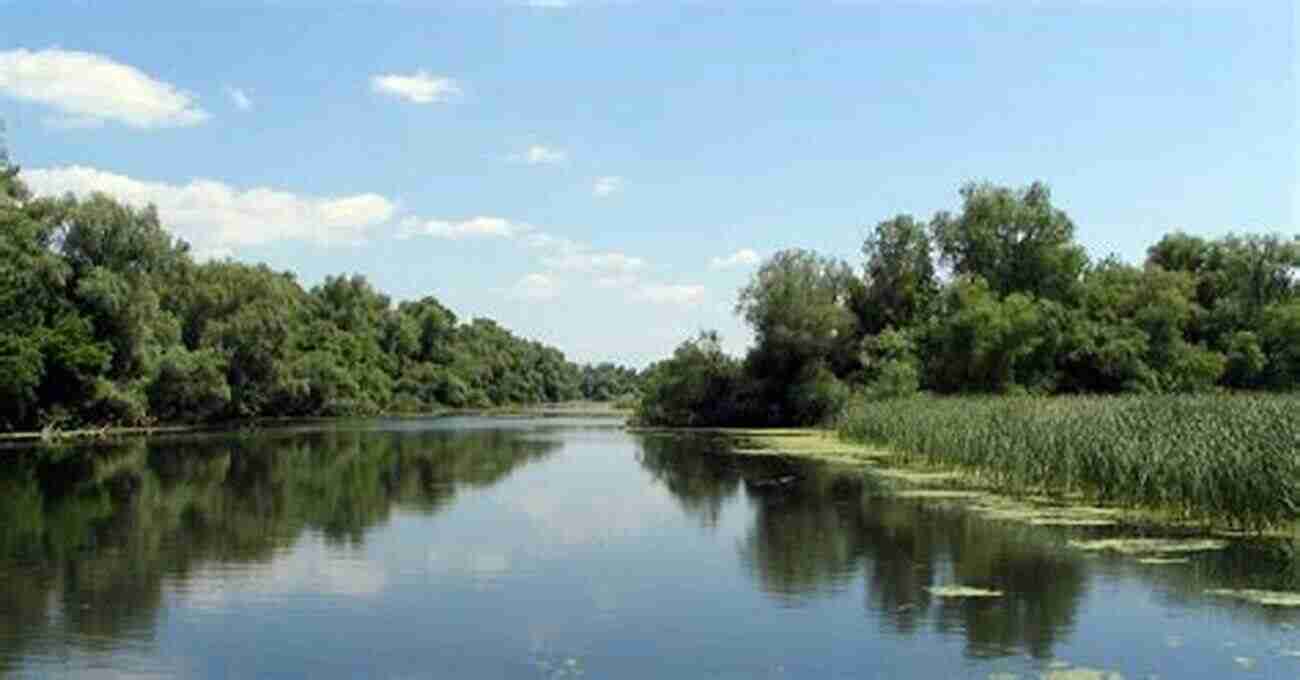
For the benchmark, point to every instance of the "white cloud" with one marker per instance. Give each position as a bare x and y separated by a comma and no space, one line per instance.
594,262
474,227
88,88
616,281
536,287
419,87
215,217
312,567
606,186
743,257
542,240
479,563
541,155
240,98
671,294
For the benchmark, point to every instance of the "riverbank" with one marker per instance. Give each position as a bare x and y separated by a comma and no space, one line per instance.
992,490
1222,460
572,409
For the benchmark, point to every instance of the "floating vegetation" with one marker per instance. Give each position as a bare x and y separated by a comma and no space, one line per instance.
1080,674
1270,598
915,477
818,444
962,591
1150,546
1071,522
1042,514
555,668
1229,459
1157,561
939,494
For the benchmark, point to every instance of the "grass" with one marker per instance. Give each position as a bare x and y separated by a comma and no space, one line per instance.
1218,457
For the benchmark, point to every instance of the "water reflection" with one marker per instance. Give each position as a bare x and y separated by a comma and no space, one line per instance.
91,535
810,538
195,554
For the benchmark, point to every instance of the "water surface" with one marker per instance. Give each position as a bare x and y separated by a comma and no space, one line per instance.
550,548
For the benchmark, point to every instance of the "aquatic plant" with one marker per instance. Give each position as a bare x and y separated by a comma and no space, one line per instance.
1226,457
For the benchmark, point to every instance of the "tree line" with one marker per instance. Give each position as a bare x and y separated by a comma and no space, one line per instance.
997,297
106,318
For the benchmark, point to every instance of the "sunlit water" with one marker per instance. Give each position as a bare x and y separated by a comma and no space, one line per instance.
472,548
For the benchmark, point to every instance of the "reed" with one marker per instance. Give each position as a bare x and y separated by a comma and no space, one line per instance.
1231,458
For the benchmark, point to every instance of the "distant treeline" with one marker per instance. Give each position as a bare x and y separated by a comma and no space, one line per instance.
997,298
105,318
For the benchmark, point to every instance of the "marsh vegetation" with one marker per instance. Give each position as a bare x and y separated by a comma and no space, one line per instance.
1234,458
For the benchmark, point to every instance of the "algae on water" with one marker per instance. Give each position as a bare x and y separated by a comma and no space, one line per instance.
1081,674
962,591
1149,546
1164,560
939,494
1271,598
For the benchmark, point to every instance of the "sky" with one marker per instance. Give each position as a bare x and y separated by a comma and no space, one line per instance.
604,176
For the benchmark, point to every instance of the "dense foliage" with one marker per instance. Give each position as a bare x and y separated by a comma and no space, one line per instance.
1205,455
105,318
996,298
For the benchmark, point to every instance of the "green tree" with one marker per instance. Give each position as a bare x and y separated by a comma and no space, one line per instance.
189,385
900,279
796,303
978,340
1280,335
698,386
1015,239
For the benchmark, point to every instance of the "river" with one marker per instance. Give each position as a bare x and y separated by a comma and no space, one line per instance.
572,548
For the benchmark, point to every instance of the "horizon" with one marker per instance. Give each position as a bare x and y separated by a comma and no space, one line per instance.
531,191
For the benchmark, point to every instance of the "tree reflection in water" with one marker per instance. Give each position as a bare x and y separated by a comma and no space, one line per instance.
810,538
95,532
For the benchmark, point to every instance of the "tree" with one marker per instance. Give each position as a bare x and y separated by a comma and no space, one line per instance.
900,279
698,386
978,340
189,386
1257,270
1280,335
1015,239
796,303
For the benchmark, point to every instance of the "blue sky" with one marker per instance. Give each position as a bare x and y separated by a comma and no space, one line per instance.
603,175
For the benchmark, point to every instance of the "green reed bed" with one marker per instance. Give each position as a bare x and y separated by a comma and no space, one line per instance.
1219,457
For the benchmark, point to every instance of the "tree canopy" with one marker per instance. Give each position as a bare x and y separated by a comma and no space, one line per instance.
105,318
997,298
